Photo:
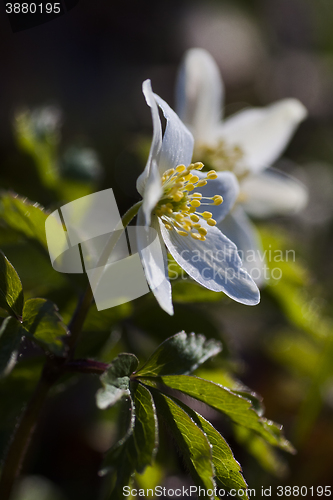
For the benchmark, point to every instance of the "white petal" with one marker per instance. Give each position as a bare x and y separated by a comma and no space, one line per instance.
154,260
239,229
213,263
156,142
177,145
199,93
263,133
273,193
225,185
152,192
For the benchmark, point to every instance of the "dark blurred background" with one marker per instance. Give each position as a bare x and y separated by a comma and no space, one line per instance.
91,63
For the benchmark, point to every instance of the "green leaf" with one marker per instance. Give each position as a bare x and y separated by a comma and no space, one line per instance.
182,353
236,407
190,439
116,380
24,217
145,435
10,339
137,449
111,459
42,322
224,377
11,293
228,472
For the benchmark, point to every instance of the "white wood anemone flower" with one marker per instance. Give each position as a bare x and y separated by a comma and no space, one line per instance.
184,205
247,144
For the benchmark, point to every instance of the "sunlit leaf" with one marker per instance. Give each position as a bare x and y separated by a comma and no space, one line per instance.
190,439
182,353
11,293
24,217
228,472
237,408
145,435
42,322
137,449
111,459
116,380
226,379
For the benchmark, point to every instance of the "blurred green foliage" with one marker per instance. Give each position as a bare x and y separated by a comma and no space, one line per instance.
283,348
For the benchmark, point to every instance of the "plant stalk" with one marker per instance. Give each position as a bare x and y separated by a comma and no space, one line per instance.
24,431
52,370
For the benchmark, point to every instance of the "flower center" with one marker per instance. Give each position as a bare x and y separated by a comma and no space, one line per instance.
223,156
178,206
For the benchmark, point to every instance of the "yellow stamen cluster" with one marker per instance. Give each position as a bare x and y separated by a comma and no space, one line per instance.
178,205
222,156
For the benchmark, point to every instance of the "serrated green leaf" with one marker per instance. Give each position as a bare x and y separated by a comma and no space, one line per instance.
226,379
42,322
191,440
11,293
10,338
137,449
237,408
145,435
182,353
116,380
111,459
228,472
24,217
